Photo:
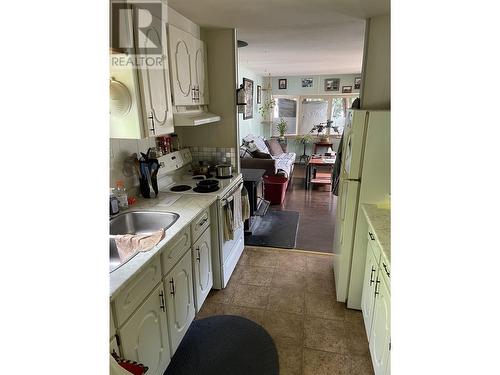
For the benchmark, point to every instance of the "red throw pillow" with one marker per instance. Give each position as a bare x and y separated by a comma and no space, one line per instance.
274,147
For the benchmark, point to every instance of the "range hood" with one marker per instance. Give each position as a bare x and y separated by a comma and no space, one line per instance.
194,118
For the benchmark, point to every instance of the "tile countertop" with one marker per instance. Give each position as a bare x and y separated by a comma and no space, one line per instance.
188,206
380,220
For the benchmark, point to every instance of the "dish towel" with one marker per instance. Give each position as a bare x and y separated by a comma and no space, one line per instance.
237,214
228,222
129,244
245,204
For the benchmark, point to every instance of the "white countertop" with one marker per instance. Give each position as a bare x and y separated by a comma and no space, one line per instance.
187,206
380,220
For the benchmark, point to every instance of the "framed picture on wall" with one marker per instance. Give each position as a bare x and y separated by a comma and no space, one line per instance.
357,83
259,94
307,82
248,86
346,89
332,84
282,84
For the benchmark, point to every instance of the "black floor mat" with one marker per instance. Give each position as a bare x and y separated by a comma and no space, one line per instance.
276,229
225,345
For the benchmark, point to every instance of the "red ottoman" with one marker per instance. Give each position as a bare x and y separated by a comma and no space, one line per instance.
275,188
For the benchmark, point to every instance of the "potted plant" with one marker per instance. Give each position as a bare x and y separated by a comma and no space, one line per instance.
282,126
267,106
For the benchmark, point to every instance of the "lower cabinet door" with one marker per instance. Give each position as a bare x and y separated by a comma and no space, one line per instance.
388,364
380,338
180,302
368,296
145,335
202,268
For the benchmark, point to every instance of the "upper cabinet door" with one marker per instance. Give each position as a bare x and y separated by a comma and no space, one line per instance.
155,80
200,79
181,57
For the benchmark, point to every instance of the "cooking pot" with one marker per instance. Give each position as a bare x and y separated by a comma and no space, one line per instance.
202,168
224,170
207,184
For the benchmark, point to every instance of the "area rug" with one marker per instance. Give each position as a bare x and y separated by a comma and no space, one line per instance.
225,345
276,229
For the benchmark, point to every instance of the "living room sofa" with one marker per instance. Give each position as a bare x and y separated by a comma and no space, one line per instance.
256,152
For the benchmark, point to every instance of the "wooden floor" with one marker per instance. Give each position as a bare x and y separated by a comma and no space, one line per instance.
317,207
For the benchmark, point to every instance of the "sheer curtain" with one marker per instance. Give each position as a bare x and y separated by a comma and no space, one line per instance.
314,112
286,109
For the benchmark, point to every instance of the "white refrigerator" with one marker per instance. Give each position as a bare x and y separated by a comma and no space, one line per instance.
365,178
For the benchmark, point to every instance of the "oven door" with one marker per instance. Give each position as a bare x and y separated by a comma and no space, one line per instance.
229,202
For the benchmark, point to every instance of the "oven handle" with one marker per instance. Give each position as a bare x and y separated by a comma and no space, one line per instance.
230,196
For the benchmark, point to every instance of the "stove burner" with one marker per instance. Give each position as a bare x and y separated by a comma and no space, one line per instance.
198,177
203,190
180,188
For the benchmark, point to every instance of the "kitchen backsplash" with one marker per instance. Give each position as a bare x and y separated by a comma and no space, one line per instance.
214,155
120,149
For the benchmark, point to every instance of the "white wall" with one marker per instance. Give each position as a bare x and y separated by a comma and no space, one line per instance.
253,125
294,84
376,83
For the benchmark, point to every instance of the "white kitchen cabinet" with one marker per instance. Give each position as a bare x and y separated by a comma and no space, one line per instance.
180,301
368,296
188,68
380,336
199,71
202,268
155,80
113,346
144,337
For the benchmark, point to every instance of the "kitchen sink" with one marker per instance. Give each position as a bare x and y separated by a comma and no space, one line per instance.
137,222
141,222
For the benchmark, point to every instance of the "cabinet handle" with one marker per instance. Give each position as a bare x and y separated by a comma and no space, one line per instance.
198,252
162,301
203,221
386,271
371,276
193,94
371,236
172,286
152,129
377,283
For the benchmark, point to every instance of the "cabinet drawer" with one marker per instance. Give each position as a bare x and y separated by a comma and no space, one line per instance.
199,224
175,250
372,243
136,290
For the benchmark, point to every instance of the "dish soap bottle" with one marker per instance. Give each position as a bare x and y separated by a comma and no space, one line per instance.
121,193
113,203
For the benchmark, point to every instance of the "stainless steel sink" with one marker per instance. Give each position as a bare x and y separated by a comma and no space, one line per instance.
137,222
141,222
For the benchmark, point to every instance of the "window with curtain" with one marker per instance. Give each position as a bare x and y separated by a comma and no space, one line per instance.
303,112
285,108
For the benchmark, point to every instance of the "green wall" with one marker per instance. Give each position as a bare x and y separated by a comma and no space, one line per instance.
253,125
